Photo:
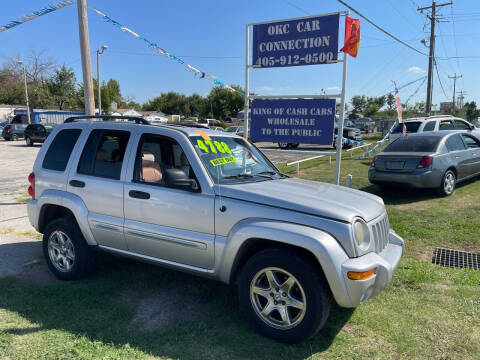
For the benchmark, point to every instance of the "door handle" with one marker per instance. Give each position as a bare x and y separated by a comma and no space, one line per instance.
77,183
139,194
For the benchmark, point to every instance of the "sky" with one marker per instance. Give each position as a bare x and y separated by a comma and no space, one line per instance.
210,35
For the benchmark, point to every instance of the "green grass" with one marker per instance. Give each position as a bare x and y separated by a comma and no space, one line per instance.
23,196
427,312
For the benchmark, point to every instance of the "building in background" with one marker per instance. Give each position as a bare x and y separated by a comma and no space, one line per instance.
6,111
40,116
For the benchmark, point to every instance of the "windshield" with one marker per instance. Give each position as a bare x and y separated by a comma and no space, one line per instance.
414,144
233,160
412,127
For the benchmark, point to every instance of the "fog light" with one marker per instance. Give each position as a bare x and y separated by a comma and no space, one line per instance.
354,275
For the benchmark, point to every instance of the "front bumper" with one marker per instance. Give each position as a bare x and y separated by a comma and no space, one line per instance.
386,262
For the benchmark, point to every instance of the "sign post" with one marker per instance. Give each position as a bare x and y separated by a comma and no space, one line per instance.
309,40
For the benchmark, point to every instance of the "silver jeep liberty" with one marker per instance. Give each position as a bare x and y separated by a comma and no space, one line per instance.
210,203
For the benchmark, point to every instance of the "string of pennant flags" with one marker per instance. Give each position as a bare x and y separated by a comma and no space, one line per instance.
161,51
386,137
35,14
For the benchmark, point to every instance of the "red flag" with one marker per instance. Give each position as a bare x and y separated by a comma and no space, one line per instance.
352,36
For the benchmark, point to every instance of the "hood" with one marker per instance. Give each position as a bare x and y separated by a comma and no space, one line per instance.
312,197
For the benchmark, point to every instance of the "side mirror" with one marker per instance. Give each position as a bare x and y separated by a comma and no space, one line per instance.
176,178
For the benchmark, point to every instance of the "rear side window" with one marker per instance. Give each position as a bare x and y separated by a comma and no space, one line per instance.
60,149
470,142
429,126
414,144
455,143
103,153
412,127
459,124
446,125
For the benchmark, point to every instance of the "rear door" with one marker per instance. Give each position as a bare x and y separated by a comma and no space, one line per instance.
460,156
473,146
98,180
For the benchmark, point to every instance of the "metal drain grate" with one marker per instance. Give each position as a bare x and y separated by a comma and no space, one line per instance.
456,259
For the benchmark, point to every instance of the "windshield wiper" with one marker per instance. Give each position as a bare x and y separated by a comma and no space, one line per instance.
239,176
269,173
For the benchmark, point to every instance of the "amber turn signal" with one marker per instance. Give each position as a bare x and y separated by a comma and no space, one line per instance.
353,275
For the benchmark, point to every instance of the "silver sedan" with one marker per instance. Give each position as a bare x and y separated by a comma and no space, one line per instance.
438,160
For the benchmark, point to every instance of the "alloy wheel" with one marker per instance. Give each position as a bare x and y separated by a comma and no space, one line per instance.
278,298
61,251
449,183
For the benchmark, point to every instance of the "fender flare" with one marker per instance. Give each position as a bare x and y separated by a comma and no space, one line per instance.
73,203
324,247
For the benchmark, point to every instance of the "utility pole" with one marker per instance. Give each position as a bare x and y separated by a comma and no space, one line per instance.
99,52
26,90
455,77
431,56
86,61
461,97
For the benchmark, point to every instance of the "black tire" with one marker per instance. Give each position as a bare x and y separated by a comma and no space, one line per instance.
28,141
14,137
283,145
316,294
294,146
85,258
449,178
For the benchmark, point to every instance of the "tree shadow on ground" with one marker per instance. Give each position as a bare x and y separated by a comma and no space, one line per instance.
101,308
399,195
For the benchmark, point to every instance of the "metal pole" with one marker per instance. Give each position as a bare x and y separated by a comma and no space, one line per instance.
455,77
428,105
86,61
339,141
26,94
247,85
98,84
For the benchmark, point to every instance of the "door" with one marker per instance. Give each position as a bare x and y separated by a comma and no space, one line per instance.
97,181
163,222
473,146
460,156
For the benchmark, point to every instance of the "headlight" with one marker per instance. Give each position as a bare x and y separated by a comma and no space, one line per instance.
361,234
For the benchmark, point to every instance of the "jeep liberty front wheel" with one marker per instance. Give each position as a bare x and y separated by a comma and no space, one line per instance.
283,296
66,252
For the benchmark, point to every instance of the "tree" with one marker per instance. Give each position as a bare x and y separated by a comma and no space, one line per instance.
62,87
224,102
359,103
471,111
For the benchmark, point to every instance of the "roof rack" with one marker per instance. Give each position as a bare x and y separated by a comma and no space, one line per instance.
187,125
440,116
138,120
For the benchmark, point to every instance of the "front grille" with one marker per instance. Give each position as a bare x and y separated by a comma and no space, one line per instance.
379,231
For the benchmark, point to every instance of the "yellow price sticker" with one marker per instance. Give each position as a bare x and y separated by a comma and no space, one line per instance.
208,146
223,160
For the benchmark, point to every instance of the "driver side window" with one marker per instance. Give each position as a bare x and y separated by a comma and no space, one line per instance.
155,155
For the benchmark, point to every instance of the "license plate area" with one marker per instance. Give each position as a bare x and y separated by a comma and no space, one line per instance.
395,165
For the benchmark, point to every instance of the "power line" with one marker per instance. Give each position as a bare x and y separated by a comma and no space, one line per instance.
381,29
296,7
440,80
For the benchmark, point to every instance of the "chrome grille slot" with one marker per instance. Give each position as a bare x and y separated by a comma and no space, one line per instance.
379,231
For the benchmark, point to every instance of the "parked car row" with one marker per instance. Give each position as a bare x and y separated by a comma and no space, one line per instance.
32,133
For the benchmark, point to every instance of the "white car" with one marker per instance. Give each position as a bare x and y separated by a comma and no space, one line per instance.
434,123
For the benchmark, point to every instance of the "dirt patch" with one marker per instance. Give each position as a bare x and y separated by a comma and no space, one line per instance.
163,308
36,271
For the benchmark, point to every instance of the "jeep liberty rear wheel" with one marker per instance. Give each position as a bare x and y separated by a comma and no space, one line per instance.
66,252
283,296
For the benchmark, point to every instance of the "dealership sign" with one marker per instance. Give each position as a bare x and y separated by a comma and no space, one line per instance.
301,121
303,41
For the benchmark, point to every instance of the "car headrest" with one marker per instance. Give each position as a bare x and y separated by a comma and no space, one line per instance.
148,156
